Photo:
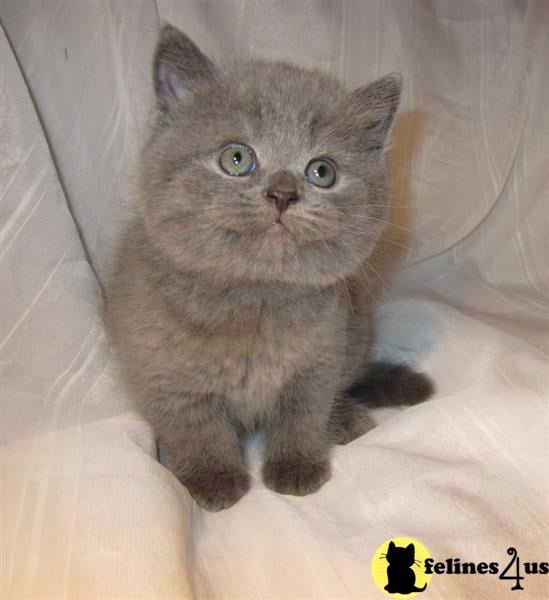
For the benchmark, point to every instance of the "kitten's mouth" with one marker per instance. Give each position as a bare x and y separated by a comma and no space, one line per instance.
278,227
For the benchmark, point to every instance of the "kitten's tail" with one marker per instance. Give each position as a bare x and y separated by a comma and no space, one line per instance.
386,384
416,589
383,384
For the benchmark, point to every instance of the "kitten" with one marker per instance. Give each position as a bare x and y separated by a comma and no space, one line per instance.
239,300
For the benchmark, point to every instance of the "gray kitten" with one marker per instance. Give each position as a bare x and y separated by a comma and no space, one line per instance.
240,301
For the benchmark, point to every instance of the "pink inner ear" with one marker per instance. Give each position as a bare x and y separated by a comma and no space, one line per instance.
171,87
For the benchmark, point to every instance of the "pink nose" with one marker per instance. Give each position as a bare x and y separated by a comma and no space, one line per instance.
282,190
282,198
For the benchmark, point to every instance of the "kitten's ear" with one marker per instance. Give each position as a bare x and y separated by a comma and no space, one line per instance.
410,548
178,67
391,545
374,107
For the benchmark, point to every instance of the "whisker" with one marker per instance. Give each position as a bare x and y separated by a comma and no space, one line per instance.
376,272
345,286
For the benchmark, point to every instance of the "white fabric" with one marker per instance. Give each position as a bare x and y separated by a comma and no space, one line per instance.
87,512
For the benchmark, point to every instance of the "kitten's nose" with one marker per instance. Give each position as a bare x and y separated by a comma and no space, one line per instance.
282,190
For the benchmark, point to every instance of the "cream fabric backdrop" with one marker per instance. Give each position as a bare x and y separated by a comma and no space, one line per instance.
87,512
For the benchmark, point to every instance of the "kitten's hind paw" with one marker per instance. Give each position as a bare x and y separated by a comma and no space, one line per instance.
298,478
349,421
216,491
386,384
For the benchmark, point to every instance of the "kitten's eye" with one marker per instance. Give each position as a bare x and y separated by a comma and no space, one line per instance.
321,172
237,160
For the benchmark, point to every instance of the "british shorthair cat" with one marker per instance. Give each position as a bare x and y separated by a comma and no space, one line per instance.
239,301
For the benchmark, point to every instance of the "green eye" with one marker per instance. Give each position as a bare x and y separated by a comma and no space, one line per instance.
321,172
237,160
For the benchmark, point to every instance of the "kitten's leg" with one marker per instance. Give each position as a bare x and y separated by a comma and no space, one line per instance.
297,457
201,447
383,384
349,421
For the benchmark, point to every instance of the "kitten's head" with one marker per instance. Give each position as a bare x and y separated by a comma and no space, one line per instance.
263,170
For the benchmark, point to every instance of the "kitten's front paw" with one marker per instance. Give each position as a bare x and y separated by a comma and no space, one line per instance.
218,490
296,477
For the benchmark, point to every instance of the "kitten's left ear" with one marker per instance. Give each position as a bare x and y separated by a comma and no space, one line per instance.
374,107
179,66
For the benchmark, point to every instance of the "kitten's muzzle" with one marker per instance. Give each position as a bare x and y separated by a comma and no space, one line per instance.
282,190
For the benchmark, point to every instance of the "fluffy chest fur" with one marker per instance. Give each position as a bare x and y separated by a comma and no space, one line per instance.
240,341
248,355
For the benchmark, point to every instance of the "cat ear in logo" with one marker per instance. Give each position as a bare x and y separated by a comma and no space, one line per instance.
179,66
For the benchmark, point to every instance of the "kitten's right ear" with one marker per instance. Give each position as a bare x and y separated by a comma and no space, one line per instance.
373,108
178,67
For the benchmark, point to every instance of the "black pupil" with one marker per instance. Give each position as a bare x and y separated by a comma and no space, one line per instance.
237,158
321,171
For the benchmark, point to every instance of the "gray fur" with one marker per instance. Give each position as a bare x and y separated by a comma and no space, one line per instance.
223,326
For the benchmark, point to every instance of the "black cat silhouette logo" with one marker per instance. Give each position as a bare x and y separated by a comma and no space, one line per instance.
398,567
400,575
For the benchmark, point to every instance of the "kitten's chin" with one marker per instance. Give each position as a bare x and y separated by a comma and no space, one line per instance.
273,253
273,228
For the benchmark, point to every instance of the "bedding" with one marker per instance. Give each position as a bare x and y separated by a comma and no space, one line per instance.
87,511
